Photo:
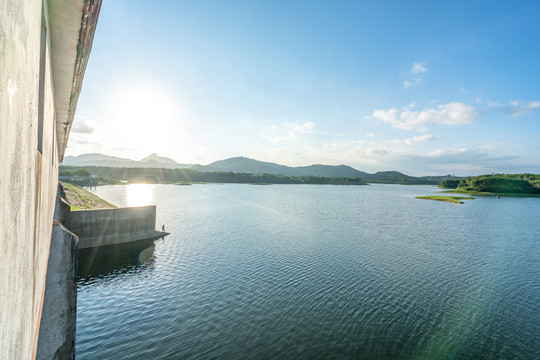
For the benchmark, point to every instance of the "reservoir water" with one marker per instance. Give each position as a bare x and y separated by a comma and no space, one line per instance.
316,272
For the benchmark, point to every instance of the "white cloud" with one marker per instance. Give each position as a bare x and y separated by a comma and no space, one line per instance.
293,131
520,108
419,67
373,156
416,139
453,113
516,108
492,146
82,125
408,84
308,125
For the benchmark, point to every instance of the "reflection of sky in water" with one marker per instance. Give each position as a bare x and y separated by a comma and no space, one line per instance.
140,194
345,272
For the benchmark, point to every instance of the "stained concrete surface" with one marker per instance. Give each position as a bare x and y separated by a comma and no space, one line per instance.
58,321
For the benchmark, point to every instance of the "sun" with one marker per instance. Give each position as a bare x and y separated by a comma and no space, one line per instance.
145,116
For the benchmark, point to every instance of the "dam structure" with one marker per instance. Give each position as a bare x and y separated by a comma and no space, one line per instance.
102,227
44,50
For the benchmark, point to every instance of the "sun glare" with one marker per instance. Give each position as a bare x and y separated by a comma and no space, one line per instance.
145,117
140,194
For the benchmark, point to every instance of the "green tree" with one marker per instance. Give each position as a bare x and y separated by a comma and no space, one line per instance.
82,172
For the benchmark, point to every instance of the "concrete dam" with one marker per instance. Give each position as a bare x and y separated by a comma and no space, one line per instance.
102,227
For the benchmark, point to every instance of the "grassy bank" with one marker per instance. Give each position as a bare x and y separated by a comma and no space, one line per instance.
81,199
484,193
452,199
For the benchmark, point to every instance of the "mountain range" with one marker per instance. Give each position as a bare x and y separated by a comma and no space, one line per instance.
151,161
251,166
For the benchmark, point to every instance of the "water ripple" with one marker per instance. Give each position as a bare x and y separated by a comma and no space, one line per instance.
310,272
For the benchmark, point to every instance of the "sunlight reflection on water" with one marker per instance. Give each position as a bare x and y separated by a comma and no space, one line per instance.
140,194
316,272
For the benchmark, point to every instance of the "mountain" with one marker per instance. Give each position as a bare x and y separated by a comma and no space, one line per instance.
155,160
250,166
244,165
151,161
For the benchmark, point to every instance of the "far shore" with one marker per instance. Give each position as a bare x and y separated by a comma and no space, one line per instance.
481,193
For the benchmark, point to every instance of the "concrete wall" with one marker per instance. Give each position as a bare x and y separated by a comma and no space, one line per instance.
58,317
58,321
33,136
28,176
113,226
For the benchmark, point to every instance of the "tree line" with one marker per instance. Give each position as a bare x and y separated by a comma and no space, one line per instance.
109,175
497,183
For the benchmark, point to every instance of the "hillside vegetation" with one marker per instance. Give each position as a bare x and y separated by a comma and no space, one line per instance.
156,176
81,199
236,165
337,175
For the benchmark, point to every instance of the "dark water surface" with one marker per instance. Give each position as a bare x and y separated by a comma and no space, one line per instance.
316,272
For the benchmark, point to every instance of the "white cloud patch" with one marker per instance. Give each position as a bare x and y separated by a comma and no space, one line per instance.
293,131
408,84
419,67
492,146
453,113
373,156
515,108
416,139
522,107
82,125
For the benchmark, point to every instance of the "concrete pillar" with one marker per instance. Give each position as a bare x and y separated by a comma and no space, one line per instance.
58,319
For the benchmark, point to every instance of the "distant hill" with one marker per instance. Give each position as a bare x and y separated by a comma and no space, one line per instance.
156,159
245,165
151,161
250,166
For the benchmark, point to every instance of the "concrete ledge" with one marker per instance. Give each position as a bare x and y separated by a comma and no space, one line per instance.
103,227
123,240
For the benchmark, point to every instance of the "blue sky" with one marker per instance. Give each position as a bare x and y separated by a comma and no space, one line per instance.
423,87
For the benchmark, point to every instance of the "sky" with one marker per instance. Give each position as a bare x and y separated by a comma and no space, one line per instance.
421,87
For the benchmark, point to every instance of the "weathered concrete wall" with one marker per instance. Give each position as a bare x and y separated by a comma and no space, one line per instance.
28,178
31,33
58,321
58,317
114,226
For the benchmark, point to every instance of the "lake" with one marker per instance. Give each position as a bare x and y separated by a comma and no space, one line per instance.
316,272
